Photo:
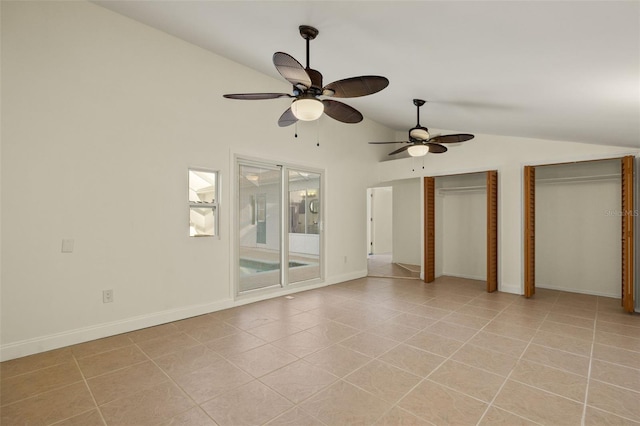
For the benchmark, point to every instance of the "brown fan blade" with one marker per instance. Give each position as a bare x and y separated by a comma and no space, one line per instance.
435,148
356,86
341,112
256,96
287,118
399,150
388,142
291,69
462,137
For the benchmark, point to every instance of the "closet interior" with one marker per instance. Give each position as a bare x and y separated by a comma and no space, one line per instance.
577,221
461,227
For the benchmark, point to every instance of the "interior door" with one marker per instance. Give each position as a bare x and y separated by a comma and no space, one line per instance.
429,230
492,230
529,230
627,233
382,220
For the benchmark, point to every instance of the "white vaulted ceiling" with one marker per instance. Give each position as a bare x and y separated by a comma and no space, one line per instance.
559,70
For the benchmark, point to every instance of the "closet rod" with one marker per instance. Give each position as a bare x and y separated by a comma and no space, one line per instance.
463,188
579,179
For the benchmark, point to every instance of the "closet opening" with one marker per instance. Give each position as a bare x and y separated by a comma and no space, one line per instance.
461,227
579,228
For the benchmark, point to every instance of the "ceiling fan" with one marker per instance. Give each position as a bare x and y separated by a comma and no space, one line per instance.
421,142
307,89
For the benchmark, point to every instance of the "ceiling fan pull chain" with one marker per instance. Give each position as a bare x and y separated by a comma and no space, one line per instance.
317,132
423,161
296,131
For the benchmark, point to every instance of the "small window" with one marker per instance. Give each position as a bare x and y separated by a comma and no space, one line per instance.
203,203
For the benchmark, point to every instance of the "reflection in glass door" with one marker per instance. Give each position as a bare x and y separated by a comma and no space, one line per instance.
304,225
259,213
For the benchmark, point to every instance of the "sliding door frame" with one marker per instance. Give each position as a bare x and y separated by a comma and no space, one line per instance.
284,225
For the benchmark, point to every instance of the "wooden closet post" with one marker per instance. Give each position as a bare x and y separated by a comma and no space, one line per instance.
529,231
492,230
627,233
429,230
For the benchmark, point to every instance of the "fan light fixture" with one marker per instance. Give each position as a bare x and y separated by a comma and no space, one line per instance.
421,142
308,87
307,109
418,150
420,133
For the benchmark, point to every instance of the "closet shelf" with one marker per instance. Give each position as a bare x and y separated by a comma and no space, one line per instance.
477,188
578,179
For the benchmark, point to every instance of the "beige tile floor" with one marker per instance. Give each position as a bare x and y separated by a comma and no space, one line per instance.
380,265
373,351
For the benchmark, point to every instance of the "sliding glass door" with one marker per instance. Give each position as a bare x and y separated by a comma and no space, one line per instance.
304,225
279,223
259,213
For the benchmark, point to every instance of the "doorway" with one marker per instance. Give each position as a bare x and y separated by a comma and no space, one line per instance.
393,215
597,226
380,214
478,219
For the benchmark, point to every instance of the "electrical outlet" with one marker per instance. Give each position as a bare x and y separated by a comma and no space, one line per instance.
107,296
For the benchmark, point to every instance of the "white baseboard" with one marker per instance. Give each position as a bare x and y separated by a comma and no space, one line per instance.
510,288
503,287
85,334
469,277
346,277
80,335
578,290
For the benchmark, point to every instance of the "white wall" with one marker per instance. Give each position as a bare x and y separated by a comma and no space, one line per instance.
462,223
382,214
101,118
508,155
578,245
464,230
407,216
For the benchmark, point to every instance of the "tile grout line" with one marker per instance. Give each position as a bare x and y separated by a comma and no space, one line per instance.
491,403
72,359
93,398
440,365
377,358
593,344
223,357
374,301
171,380
338,379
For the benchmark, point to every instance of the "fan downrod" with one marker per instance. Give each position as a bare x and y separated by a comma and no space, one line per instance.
308,32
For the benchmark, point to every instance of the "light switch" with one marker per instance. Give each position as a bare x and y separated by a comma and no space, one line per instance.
67,246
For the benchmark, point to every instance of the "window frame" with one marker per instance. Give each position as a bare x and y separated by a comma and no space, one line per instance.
214,206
